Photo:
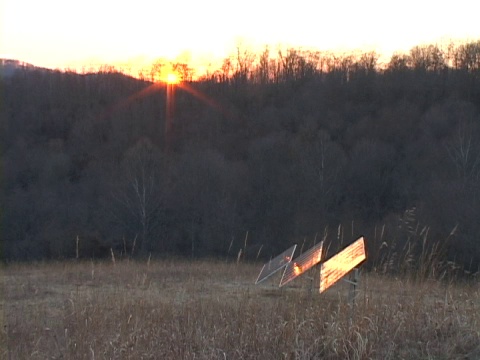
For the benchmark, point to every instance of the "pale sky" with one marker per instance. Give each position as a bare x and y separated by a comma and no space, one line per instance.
66,33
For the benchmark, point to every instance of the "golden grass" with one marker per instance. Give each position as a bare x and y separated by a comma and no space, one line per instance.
213,310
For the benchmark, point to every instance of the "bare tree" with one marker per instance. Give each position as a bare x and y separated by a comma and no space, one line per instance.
263,69
245,59
139,196
467,56
186,72
427,58
464,151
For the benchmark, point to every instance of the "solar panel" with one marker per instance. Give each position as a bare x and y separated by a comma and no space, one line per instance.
302,263
340,264
276,264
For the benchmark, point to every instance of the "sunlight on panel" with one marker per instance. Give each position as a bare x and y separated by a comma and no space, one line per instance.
340,264
276,264
301,264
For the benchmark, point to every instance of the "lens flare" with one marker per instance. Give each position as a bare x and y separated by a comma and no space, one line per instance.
170,80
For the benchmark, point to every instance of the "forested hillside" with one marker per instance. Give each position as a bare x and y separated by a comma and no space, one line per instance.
282,146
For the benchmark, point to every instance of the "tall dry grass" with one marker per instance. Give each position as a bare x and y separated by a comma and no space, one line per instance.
213,310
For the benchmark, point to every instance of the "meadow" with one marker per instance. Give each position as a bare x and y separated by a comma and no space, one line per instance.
211,309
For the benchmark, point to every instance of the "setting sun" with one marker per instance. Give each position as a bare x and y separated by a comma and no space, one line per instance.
172,78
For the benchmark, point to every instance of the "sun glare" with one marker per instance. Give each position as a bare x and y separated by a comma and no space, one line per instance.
172,78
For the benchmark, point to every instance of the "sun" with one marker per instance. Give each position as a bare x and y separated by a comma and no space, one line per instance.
172,78
166,73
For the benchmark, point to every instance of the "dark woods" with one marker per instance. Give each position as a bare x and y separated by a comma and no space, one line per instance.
282,147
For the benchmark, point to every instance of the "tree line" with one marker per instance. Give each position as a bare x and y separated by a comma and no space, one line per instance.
269,150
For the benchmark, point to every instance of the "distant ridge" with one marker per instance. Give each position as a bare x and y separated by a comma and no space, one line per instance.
9,66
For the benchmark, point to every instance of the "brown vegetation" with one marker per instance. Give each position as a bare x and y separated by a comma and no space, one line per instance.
175,309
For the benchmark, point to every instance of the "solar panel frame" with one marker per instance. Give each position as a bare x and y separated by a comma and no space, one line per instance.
276,264
302,263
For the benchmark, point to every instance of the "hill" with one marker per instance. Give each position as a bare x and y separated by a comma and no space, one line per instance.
9,66
267,152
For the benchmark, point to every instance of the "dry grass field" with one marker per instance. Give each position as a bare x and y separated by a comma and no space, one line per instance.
212,310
